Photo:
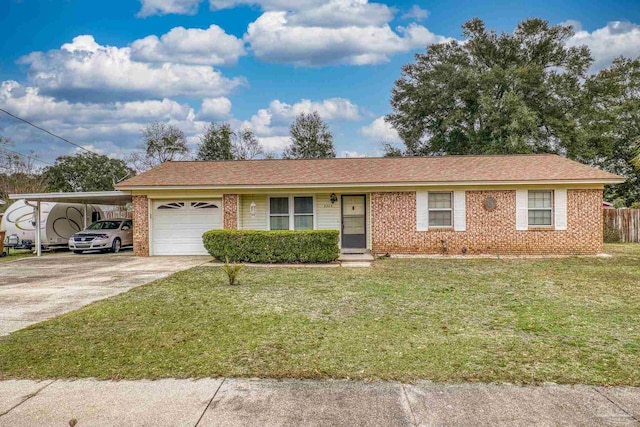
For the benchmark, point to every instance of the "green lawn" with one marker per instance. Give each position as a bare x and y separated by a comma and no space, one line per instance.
570,320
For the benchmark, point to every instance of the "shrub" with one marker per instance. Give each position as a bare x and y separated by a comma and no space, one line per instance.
619,203
635,205
611,234
309,246
232,271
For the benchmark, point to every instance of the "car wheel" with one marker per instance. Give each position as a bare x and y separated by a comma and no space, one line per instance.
116,245
77,252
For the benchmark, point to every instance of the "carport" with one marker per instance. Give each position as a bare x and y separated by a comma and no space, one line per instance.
85,198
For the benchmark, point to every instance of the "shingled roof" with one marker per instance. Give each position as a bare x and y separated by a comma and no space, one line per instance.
370,171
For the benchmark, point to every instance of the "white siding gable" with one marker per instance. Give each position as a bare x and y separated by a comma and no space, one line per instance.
459,211
560,208
522,209
422,210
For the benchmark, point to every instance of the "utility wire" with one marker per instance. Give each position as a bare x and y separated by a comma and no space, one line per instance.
46,131
35,159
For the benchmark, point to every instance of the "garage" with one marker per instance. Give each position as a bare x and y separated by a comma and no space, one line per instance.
178,225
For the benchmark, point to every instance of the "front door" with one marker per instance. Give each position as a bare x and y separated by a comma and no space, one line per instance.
354,222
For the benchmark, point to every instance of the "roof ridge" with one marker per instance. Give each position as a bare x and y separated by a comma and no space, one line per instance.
373,158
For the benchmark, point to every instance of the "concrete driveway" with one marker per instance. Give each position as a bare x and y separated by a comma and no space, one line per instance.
36,289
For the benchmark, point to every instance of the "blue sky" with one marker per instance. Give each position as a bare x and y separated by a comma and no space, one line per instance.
97,72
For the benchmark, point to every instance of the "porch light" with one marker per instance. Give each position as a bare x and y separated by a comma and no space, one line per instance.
252,208
333,198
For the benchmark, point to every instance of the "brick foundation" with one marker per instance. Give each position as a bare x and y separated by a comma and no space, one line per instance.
140,226
394,231
230,206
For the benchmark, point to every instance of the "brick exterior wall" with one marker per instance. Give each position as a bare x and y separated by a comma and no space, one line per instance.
230,206
393,227
140,226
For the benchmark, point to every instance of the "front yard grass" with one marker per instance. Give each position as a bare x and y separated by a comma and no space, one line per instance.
14,254
569,320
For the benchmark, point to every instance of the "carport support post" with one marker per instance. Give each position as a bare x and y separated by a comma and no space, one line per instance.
38,237
85,217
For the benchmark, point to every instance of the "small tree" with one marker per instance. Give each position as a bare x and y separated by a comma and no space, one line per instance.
215,143
310,138
161,143
246,145
19,174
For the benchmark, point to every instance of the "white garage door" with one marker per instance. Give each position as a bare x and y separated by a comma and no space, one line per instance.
178,225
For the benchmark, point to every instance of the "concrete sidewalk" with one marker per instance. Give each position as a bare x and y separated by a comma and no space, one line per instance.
233,402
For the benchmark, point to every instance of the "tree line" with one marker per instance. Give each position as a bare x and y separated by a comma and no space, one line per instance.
529,91
524,92
160,142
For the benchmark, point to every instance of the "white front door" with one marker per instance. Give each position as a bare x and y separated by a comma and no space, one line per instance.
178,225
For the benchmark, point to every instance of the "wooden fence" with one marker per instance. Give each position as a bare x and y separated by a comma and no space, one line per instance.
625,221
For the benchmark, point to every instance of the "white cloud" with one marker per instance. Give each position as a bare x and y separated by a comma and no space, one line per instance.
329,109
380,131
275,119
323,13
417,13
274,143
85,70
214,108
111,128
164,7
310,32
274,38
617,38
348,153
189,46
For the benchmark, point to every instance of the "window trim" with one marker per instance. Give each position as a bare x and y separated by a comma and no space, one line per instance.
280,215
291,213
551,209
429,209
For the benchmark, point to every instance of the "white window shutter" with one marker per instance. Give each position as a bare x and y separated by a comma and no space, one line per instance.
422,210
522,209
459,211
560,208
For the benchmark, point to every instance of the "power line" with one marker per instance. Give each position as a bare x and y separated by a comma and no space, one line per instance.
46,131
24,155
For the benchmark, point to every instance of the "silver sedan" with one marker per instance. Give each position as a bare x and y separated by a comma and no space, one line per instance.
105,235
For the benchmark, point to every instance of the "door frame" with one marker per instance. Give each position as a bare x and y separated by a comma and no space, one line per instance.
366,211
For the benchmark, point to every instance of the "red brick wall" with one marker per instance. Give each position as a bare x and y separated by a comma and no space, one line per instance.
140,226
230,206
393,227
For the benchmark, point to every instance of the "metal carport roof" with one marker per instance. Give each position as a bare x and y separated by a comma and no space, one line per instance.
85,198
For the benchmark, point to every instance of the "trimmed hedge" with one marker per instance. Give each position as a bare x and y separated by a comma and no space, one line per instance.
308,246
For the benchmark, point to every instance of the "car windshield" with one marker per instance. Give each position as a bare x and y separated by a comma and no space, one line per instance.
105,225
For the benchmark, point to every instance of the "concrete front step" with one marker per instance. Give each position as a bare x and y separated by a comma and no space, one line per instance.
355,257
351,264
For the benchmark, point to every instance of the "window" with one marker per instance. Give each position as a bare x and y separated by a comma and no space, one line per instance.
303,213
291,213
203,205
279,213
440,210
541,208
105,225
172,205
